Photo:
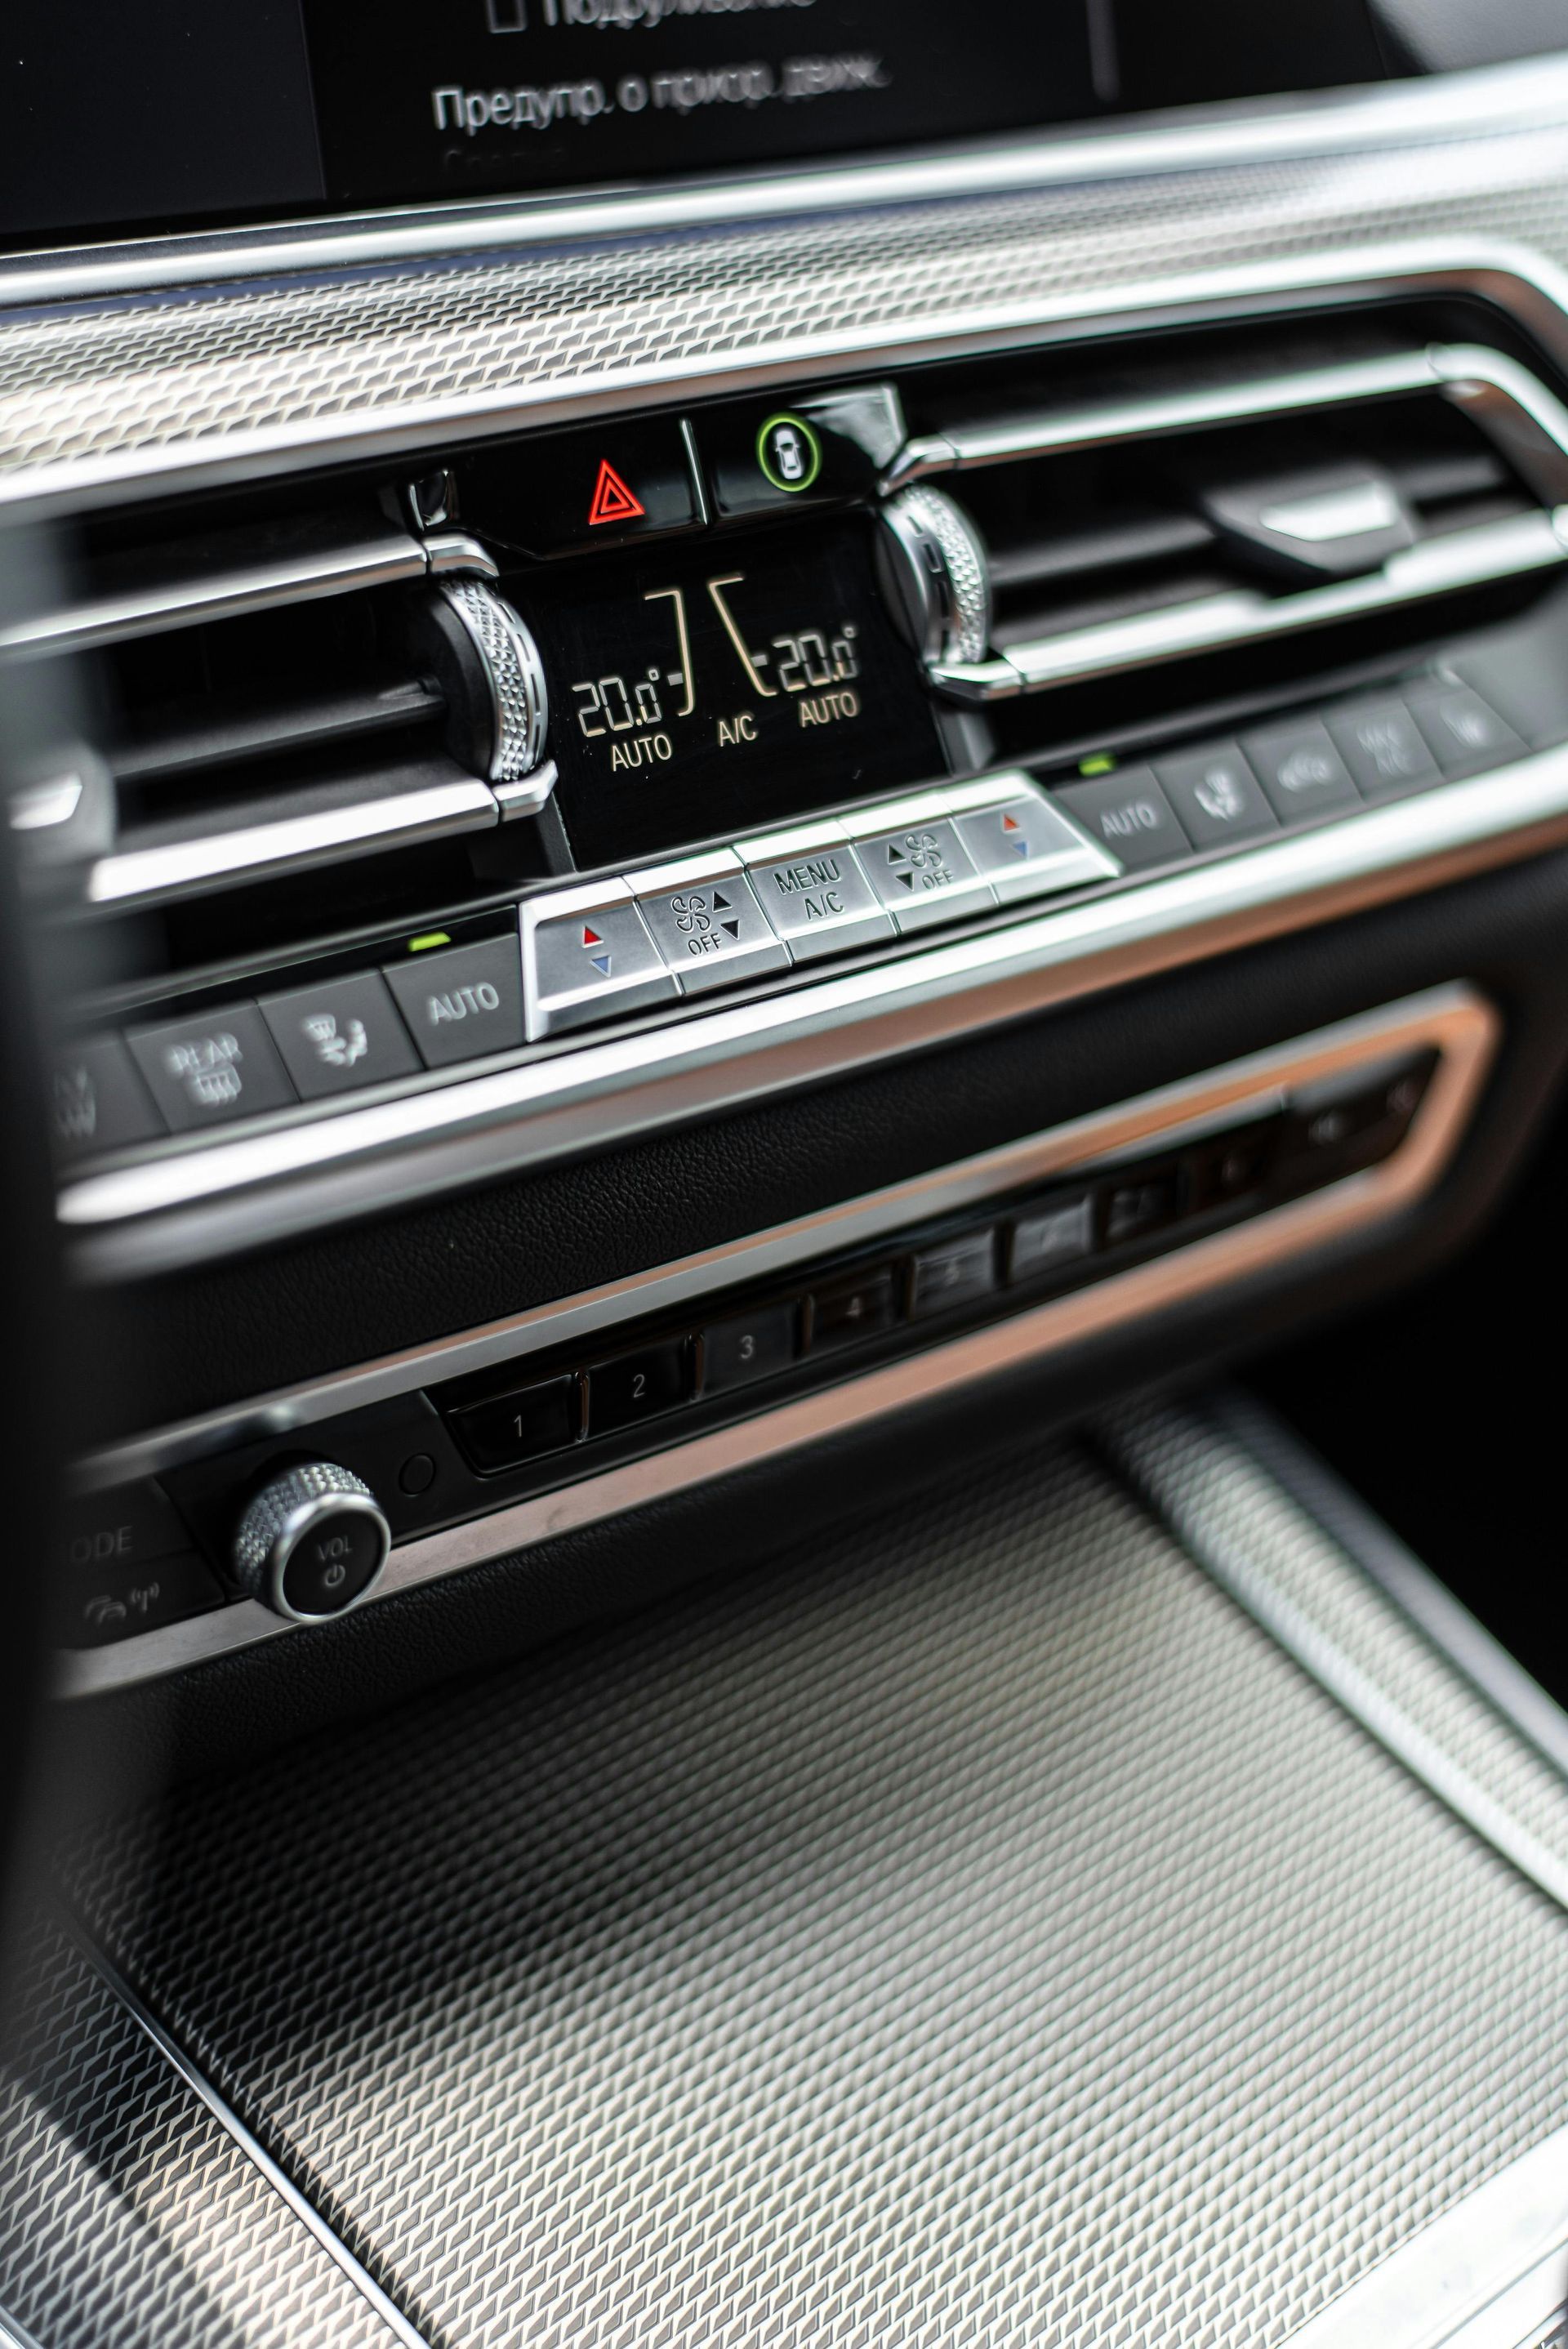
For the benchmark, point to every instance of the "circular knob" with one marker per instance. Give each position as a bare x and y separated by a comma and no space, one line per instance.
940,575
311,1542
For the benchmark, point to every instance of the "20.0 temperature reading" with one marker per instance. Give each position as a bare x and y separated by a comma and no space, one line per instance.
814,663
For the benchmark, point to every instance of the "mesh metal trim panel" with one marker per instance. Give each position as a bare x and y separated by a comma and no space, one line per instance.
128,2219
979,1931
206,371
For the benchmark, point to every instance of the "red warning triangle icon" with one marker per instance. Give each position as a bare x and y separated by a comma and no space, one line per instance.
613,501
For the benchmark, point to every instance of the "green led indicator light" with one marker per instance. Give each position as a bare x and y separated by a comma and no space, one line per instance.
1096,766
430,938
789,453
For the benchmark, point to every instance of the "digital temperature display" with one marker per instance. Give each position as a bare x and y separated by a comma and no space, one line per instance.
731,683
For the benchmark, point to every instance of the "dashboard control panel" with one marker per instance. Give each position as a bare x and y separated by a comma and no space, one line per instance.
308,1524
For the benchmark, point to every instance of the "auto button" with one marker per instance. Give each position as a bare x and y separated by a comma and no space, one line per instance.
464,1004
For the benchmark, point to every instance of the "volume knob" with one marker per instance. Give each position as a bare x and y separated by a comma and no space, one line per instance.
311,1542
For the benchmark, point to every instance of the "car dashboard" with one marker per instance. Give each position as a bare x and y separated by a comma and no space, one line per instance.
788,792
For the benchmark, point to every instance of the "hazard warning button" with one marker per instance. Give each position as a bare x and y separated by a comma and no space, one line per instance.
565,492
587,954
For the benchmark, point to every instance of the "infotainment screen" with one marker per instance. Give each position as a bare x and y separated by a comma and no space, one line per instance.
699,691
126,118
415,96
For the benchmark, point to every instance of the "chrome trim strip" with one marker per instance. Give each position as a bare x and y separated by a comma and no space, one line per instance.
217,596
1413,1586
1245,615
193,1204
234,2130
1104,427
1463,1026
156,876
1458,2283
1489,99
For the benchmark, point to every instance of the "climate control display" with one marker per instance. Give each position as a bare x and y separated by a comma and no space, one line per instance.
696,690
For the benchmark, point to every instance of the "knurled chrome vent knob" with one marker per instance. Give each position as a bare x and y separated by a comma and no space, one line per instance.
940,575
311,1542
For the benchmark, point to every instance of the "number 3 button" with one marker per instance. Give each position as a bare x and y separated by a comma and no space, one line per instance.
638,1385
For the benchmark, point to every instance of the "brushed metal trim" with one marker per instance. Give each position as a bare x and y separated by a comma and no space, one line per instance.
1412,1585
148,876
1487,99
190,1204
1481,2277
1460,1023
1245,615
243,2139
376,562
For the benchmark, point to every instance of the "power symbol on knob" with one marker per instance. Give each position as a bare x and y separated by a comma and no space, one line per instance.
311,1542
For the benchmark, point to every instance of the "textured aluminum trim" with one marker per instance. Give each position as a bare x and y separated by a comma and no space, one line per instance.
1464,1029
149,876
1411,1583
230,383
188,1206
217,596
228,2120
1474,104
961,1927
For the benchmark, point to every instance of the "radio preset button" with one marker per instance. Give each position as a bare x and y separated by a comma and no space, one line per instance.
707,923
747,1346
1025,848
1048,1238
461,1005
638,1386
528,1425
589,954
340,1035
953,1274
919,867
815,892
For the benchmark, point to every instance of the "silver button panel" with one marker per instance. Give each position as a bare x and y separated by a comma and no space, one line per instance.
823,887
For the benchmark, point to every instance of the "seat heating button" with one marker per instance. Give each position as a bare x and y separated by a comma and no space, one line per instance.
1216,795
205,1071
638,1385
955,1273
845,1312
707,923
528,1425
1026,848
1383,747
97,1100
340,1035
1130,815
919,867
463,1005
1301,770
1466,734
1050,1237
814,892
748,1346
589,955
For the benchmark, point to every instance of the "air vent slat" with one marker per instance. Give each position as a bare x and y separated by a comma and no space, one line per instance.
187,740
